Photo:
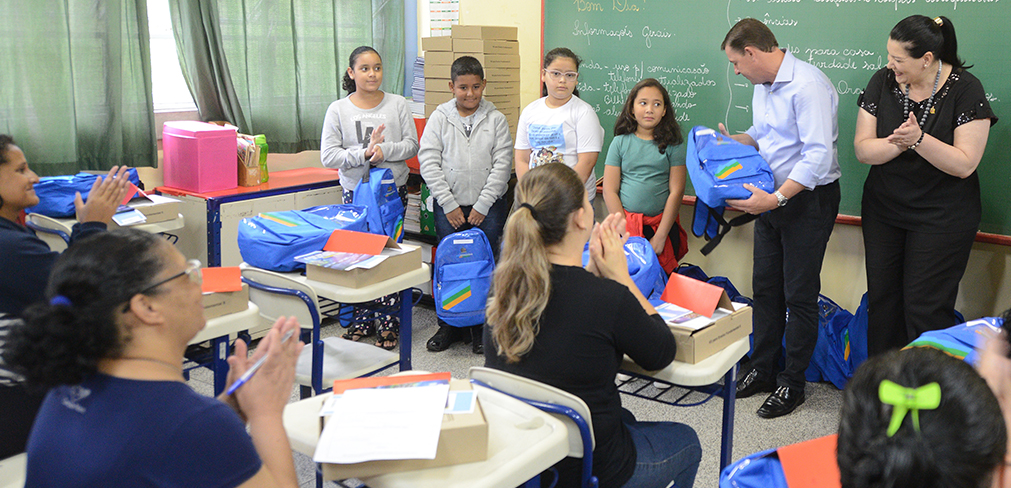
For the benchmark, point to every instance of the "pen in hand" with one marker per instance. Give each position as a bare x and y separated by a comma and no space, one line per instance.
259,362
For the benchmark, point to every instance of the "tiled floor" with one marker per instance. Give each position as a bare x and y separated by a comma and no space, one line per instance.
817,417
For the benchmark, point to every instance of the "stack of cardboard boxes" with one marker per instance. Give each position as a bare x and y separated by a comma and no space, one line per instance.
498,51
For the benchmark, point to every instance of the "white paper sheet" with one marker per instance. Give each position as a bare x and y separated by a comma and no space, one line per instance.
384,423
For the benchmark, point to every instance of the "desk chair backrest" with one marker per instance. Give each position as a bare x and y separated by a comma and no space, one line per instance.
51,231
299,300
534,391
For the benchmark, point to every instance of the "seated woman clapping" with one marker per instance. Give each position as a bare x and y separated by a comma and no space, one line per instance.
109,338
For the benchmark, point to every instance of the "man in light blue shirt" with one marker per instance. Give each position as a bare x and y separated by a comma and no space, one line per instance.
795,129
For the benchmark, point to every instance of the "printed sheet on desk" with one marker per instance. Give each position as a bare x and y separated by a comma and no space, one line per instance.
683,318
370,424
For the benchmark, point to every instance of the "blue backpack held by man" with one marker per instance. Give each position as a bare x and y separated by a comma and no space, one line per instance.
464,264
377,191
719,167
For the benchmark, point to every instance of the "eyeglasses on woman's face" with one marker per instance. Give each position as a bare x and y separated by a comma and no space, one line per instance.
192,271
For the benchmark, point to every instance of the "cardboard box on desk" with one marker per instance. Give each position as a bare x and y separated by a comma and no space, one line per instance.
156,208
362,243
463,439
703,298
219,303
433,70
484,32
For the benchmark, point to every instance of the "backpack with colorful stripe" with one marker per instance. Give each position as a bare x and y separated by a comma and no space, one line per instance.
719,167
271,240
378,192
960,341
463,270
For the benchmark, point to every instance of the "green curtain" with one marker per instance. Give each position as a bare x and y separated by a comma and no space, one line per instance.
286,58
196,28
75,83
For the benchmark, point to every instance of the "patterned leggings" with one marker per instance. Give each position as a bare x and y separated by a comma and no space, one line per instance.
383,323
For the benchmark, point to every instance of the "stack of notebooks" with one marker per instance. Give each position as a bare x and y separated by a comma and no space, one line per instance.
418,88
412,215
496,48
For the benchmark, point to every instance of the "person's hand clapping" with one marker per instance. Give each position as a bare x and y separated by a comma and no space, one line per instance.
105,196
269,389
607,252
906,134
374,153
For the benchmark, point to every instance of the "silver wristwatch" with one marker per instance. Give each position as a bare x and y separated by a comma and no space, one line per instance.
780,199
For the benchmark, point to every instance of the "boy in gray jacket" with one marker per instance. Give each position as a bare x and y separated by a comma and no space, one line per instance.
466,160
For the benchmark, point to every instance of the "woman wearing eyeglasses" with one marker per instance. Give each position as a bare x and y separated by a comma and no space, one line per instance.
559,127
109,340
26,264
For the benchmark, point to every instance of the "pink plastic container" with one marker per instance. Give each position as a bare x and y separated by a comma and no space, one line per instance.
199,157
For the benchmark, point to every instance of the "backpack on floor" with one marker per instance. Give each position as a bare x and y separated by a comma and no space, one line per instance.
643,266
719,167
272,240
377,191
464,264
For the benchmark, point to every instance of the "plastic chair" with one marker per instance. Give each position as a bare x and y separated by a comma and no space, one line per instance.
323,360
12,471
50,230
568,408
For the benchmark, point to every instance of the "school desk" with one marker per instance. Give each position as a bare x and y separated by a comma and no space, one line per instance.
331,296
12,471
703,376
212,218
219,331
522,442
56,231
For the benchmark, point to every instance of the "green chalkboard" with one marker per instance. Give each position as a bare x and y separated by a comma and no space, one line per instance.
677,42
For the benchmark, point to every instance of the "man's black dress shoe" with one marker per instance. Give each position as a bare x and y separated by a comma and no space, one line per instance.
781,402
751,384
444,338
477,336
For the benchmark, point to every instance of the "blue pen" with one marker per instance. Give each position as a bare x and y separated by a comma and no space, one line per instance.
259,362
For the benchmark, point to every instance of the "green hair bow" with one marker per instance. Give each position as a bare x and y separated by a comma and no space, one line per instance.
926,397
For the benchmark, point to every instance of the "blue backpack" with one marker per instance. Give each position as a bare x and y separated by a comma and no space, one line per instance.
960,341
643,266
56,193
377,191
719,167
464,264
272,240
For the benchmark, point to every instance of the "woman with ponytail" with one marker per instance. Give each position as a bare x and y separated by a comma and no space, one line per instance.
553,321
922,126
109,339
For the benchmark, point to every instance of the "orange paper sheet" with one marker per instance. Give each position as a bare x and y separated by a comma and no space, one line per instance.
698,296
811,464
132,192
356,242
340,386
221,279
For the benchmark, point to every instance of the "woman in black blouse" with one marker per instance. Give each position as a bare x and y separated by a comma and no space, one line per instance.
922,126
553,321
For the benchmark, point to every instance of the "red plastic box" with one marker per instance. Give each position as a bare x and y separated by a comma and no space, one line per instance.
199,157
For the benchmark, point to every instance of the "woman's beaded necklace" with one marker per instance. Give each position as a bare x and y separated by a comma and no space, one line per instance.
930,101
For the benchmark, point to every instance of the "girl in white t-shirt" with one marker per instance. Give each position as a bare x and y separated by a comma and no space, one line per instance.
560,127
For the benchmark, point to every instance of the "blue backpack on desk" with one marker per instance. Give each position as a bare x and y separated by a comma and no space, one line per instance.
464,264
56,193
719,167
377,191
272,240
643,266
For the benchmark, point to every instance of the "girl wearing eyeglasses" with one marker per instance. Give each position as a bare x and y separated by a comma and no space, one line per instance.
109,339
559,127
